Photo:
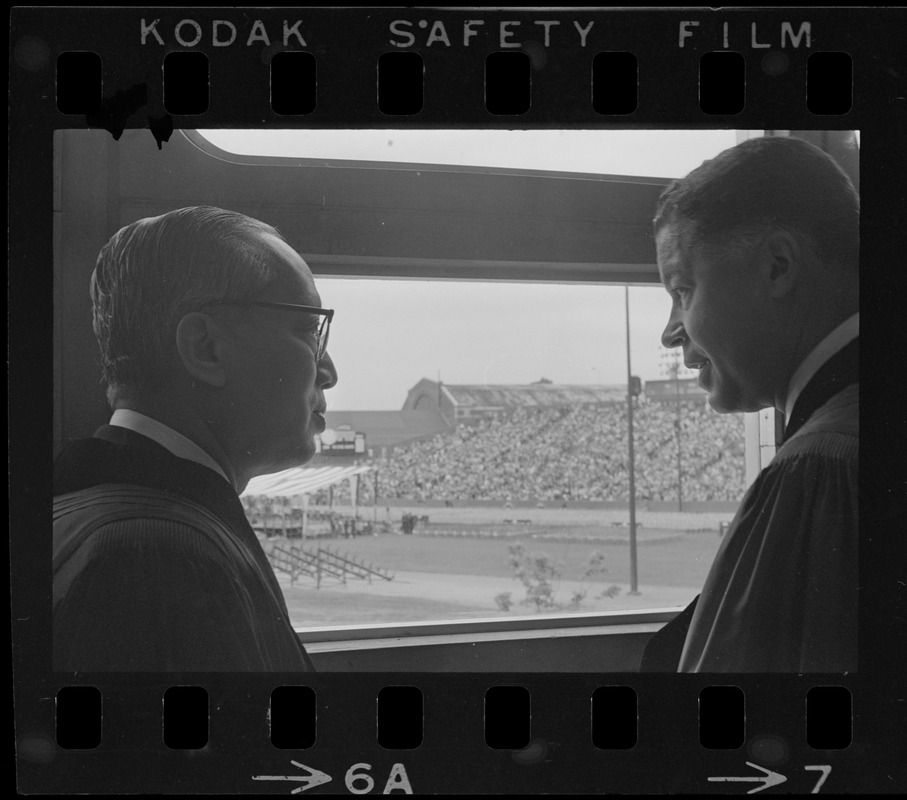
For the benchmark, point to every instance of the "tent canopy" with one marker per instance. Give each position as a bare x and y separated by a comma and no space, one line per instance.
300,480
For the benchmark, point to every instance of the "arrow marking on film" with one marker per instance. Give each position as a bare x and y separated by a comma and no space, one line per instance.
314,778
769,778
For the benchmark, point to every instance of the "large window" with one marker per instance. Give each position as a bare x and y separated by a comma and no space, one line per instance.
476,462
492,418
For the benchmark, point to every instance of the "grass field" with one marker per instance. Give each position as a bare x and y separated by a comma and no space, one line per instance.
480,568
682,561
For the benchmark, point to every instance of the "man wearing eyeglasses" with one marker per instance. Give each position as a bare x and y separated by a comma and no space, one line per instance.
214,350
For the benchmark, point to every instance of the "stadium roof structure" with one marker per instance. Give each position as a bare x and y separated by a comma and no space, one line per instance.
485,396
299,481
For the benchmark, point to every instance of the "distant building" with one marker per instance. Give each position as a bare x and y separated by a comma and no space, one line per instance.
433,407
466,402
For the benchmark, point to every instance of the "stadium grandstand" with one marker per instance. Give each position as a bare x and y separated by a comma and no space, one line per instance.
540,443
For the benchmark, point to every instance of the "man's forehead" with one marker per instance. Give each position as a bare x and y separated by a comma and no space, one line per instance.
291,266
671,246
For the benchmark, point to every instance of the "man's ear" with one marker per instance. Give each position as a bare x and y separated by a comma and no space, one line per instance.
199,344
783,253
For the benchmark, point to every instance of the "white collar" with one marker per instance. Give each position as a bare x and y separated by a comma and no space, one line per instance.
836,341
166,437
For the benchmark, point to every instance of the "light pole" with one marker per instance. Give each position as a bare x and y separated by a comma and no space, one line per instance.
375,501
671,364
634,582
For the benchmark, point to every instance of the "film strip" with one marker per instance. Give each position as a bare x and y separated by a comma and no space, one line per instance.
461,729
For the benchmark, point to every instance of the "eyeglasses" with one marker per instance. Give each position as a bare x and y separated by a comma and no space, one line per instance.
323,329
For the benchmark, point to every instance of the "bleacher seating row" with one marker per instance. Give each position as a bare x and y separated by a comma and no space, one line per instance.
564,454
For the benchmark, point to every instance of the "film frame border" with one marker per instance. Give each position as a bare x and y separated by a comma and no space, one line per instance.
670,749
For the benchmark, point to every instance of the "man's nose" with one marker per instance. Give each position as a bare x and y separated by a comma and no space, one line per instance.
673,335
327,372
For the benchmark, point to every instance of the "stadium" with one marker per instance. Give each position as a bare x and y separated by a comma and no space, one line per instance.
494,483
541,443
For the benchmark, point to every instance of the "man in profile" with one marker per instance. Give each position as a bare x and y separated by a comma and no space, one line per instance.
759,250
213,347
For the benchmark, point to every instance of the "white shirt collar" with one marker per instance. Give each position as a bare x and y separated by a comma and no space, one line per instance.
166,437
837,340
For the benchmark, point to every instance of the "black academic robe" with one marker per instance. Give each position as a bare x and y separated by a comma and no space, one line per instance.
157,594
781,595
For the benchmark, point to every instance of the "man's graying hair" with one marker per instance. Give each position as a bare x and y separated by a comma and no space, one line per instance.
763,184
154,271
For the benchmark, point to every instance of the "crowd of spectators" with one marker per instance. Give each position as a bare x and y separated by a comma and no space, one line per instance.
568,454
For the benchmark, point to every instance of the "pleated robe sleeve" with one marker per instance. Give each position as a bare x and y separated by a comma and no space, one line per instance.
157,596
782,593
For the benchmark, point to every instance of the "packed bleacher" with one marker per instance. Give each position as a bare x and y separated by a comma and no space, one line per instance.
568,454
